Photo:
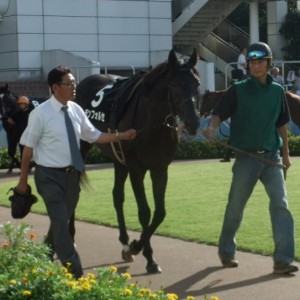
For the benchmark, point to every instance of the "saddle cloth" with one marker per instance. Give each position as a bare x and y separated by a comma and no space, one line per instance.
115,99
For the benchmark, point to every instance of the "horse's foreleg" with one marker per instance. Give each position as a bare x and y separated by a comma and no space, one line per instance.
137,181
159,183
121,173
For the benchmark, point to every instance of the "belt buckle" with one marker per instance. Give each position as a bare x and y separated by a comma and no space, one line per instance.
69,170
260,151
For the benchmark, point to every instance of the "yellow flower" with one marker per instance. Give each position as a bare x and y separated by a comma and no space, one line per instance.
113,269
86,286
190,298
153,296
126,275
172,296
127,292
90,275
12,282
5,245
49,273
214,298
144,292
71,283
69,275
26,293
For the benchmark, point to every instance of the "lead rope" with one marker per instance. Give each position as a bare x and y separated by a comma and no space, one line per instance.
118,153
270,162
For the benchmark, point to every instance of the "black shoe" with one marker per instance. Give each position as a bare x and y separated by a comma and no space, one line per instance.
225,160
281,268
229,262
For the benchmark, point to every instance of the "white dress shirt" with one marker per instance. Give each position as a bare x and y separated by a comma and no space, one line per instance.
46,133
241,61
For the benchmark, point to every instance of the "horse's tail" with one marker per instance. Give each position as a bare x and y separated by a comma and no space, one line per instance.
84,180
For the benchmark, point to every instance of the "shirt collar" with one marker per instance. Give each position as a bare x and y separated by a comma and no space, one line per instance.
55,103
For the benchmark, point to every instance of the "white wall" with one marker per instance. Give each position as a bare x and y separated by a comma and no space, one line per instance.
114,32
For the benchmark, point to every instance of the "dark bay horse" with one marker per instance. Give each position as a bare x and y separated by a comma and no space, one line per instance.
210,100
153,100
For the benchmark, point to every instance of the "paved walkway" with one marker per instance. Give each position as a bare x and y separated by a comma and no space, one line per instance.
189,269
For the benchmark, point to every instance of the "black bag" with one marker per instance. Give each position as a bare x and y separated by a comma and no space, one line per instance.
21,202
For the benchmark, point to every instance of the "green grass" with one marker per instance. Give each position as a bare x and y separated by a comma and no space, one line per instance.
195,202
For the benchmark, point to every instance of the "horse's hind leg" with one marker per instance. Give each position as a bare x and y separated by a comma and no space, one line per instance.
121,173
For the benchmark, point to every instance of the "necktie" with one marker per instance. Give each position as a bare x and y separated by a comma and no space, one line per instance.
75,152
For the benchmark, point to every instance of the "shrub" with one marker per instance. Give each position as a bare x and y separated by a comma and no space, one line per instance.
27,273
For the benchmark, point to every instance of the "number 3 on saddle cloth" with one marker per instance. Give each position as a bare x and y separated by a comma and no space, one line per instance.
110,102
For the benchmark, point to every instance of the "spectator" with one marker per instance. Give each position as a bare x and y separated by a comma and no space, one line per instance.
242,63
262,135
46,140
20,119
277,77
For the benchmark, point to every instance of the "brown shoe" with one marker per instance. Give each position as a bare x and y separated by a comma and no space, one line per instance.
281,268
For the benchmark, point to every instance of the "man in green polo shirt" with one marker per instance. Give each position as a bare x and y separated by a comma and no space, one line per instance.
259,116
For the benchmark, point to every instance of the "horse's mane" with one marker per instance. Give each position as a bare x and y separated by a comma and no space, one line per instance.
153,76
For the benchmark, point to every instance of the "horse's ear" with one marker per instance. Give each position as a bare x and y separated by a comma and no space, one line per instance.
173,59
193,59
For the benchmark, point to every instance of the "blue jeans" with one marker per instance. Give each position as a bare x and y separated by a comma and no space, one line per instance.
246,172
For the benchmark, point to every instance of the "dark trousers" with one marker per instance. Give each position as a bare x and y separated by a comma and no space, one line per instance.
60,192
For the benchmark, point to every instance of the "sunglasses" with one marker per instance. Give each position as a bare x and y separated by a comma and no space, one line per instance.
256,54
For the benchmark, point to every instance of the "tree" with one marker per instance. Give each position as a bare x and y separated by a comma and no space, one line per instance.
291,33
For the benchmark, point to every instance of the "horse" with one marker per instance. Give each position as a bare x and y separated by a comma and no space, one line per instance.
210,100
151,103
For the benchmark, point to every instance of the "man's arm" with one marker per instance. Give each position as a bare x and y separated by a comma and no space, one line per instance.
25,167
116,137
214,123
283,131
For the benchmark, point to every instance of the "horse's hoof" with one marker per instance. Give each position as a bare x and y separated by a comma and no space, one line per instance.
134,247
126,255
153,268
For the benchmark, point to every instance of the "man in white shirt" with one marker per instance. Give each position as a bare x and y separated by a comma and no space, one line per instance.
46,141
242,63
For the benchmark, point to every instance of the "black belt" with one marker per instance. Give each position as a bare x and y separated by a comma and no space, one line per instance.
67,170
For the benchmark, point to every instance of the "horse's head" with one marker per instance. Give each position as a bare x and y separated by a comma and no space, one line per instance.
183,89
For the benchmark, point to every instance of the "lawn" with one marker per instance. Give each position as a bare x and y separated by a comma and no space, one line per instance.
195,202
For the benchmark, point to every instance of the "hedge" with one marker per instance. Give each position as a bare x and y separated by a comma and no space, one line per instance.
191,150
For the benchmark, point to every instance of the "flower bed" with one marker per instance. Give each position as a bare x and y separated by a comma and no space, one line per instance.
27,273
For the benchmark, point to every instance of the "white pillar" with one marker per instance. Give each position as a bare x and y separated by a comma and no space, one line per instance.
254,22
298,5
210,74
276,12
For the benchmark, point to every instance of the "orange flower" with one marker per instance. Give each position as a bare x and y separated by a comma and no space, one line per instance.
32,235
5,245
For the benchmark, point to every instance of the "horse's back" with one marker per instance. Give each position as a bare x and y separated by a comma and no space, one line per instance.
293,101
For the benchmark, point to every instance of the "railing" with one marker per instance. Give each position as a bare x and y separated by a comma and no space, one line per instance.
232,34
